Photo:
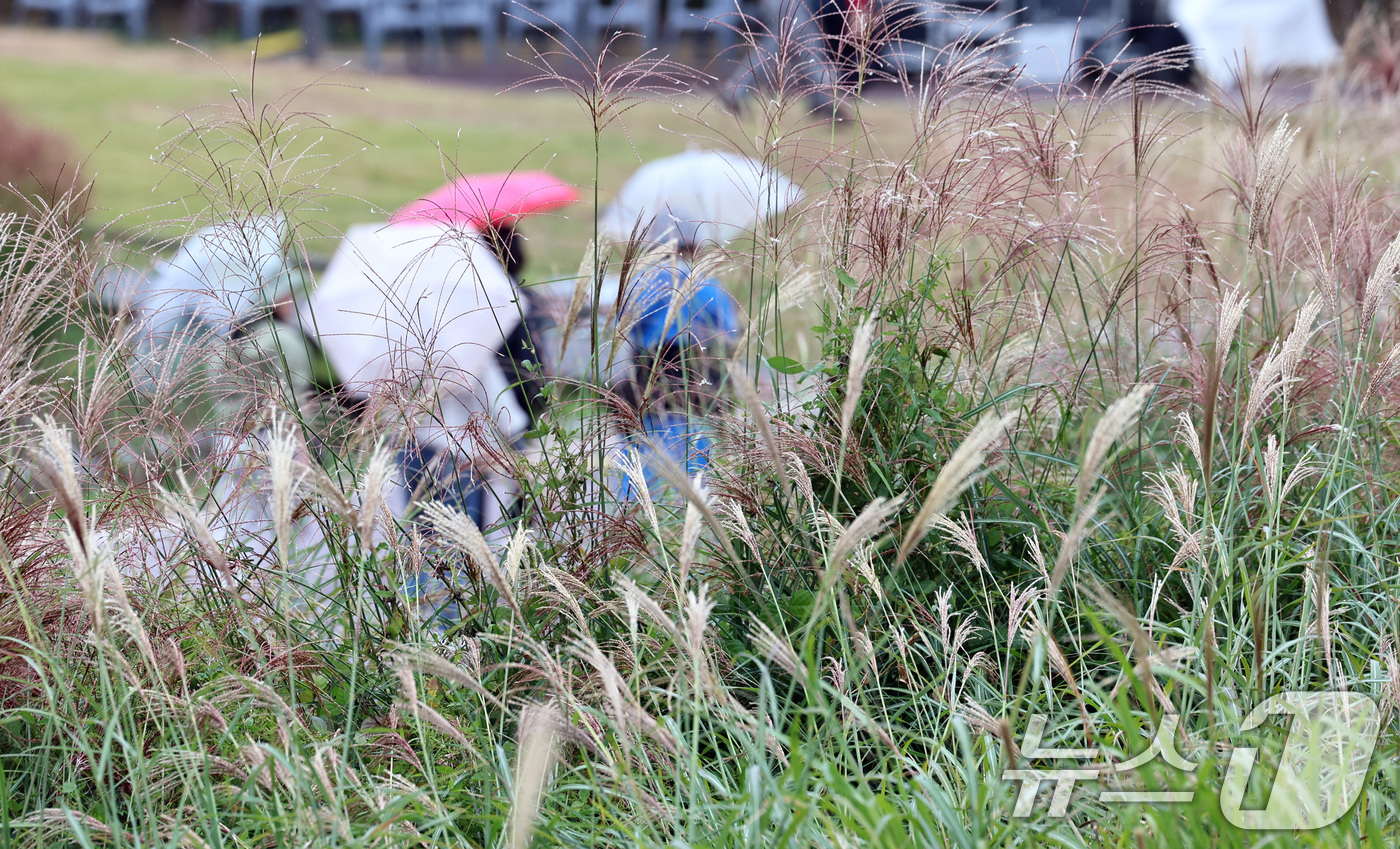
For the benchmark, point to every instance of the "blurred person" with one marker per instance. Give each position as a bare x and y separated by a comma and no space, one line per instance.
427,313
519,356
1262,37
207,341
478,216
411,316
678,322
807,33
680,326
425,304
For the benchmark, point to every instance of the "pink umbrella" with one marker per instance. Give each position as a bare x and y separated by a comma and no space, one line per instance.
495,200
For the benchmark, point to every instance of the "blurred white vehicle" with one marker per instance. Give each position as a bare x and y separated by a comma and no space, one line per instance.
1273,34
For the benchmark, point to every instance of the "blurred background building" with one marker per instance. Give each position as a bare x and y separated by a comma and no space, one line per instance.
1055,40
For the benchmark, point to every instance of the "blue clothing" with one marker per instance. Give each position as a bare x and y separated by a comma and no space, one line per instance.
709,315
678,367
682,438
436,475
452,483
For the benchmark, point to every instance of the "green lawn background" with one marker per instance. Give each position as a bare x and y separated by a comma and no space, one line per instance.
117,104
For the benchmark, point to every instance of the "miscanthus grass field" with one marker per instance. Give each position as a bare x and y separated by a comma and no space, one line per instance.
1078,405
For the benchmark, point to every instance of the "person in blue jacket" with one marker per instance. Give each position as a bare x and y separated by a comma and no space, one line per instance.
678,324
679,331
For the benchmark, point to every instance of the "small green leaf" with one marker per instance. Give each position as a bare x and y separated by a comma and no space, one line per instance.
785,365
800,604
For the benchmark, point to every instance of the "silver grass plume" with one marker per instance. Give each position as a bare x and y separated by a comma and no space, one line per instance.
961,535
538,749
1281,366
1383,376
855,376
1381,283
1021,603
777,650
410,701
1268,180
1116,420
1392,669
690,531
645,603
1175,492
54,457
184,508
1317,573
556,579
371,501
1038,557
1231,315
460,530
1276,487
736,523
1074,540
629,462
744,387
522,546
420,659
698,607
58,465
797,473
281,465
586,270
127,621
870,521
956,475
1186,434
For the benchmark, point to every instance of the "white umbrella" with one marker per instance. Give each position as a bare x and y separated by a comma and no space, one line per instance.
222,274
699,197
418,302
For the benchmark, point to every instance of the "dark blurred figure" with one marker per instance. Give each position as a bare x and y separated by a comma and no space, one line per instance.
1343,14
518,355
1148,31
804,38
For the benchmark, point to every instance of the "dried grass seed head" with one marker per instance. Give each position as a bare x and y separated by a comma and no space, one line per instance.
957,474
1116,420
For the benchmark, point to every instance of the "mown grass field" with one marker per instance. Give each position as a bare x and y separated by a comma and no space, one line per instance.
389,137
393,138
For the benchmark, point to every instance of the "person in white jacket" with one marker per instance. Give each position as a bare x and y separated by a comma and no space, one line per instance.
412,316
